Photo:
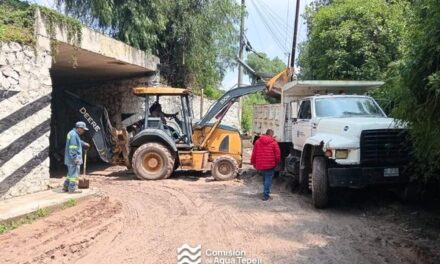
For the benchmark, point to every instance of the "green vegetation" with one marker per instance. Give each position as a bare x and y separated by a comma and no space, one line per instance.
415,83
11,225
264,66
352,39
53,20
16,22
396,41
196,41
70,203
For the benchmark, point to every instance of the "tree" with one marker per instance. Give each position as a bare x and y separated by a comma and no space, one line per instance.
352,39
264,66
416,83
195,40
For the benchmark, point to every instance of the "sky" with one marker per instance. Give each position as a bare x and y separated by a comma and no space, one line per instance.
268,27
265,19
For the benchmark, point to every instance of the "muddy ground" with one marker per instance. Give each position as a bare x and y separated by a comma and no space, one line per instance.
131,221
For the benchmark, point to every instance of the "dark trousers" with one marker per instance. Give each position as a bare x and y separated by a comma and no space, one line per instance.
267,181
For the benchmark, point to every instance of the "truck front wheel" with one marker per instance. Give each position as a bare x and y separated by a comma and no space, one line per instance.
152,161
319,182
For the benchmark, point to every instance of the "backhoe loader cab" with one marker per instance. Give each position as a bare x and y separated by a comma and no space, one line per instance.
165,142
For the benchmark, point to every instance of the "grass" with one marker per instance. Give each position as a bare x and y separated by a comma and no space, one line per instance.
11,225
30,218
70,203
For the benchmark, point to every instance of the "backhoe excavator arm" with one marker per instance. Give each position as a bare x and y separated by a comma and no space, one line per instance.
221,107
229,98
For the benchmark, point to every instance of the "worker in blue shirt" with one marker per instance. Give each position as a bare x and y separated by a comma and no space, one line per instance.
73,156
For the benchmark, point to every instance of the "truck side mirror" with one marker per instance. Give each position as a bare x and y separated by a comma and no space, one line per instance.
294,110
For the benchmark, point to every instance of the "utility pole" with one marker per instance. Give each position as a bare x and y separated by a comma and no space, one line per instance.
295,33
201,104
288,58
240,55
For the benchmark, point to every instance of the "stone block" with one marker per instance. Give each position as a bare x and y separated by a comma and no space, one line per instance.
19,57
14,46
11,58
12,81
2,58
4,83
9,72
15,88
29,52
27,67
4,47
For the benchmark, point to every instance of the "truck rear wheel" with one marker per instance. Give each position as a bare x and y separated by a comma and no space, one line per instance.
224,168
152,161
319,183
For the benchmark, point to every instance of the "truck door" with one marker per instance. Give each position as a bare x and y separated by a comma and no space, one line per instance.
301,127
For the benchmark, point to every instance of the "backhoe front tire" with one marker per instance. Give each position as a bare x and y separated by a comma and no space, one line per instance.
224,168
319,182
152,161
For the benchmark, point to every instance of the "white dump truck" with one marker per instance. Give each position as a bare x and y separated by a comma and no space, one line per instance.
332,135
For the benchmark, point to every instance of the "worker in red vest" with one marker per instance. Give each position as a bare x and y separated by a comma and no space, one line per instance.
265,157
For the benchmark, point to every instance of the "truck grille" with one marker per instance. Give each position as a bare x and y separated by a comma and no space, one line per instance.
385,147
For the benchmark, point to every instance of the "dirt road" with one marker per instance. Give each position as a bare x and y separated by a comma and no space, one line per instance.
134,221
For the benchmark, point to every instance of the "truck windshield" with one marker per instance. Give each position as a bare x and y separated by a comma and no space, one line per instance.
347,107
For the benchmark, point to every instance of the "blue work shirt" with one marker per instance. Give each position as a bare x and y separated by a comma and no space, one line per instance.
73,149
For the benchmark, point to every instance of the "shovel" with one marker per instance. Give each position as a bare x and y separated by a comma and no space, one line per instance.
83,183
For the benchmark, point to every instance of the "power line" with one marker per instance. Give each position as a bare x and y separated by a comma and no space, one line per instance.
275,35
275,16
287,22
273,20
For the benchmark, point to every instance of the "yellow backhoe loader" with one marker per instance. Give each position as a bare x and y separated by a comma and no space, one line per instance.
159,148
162,143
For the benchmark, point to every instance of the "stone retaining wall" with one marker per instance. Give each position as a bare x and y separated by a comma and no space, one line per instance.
25,89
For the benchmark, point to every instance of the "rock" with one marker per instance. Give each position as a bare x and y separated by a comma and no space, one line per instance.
15,88
4,47
27,67
10,73
11,58
12,81
2,58
19,56
29,52
14,46
24,82
4,83
18,68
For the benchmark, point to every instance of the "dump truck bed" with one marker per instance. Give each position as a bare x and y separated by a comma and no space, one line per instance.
268,116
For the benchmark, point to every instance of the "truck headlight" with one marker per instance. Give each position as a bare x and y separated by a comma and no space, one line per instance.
341,153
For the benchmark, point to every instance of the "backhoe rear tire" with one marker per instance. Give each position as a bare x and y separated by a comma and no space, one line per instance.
152,161
319,182
224,168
